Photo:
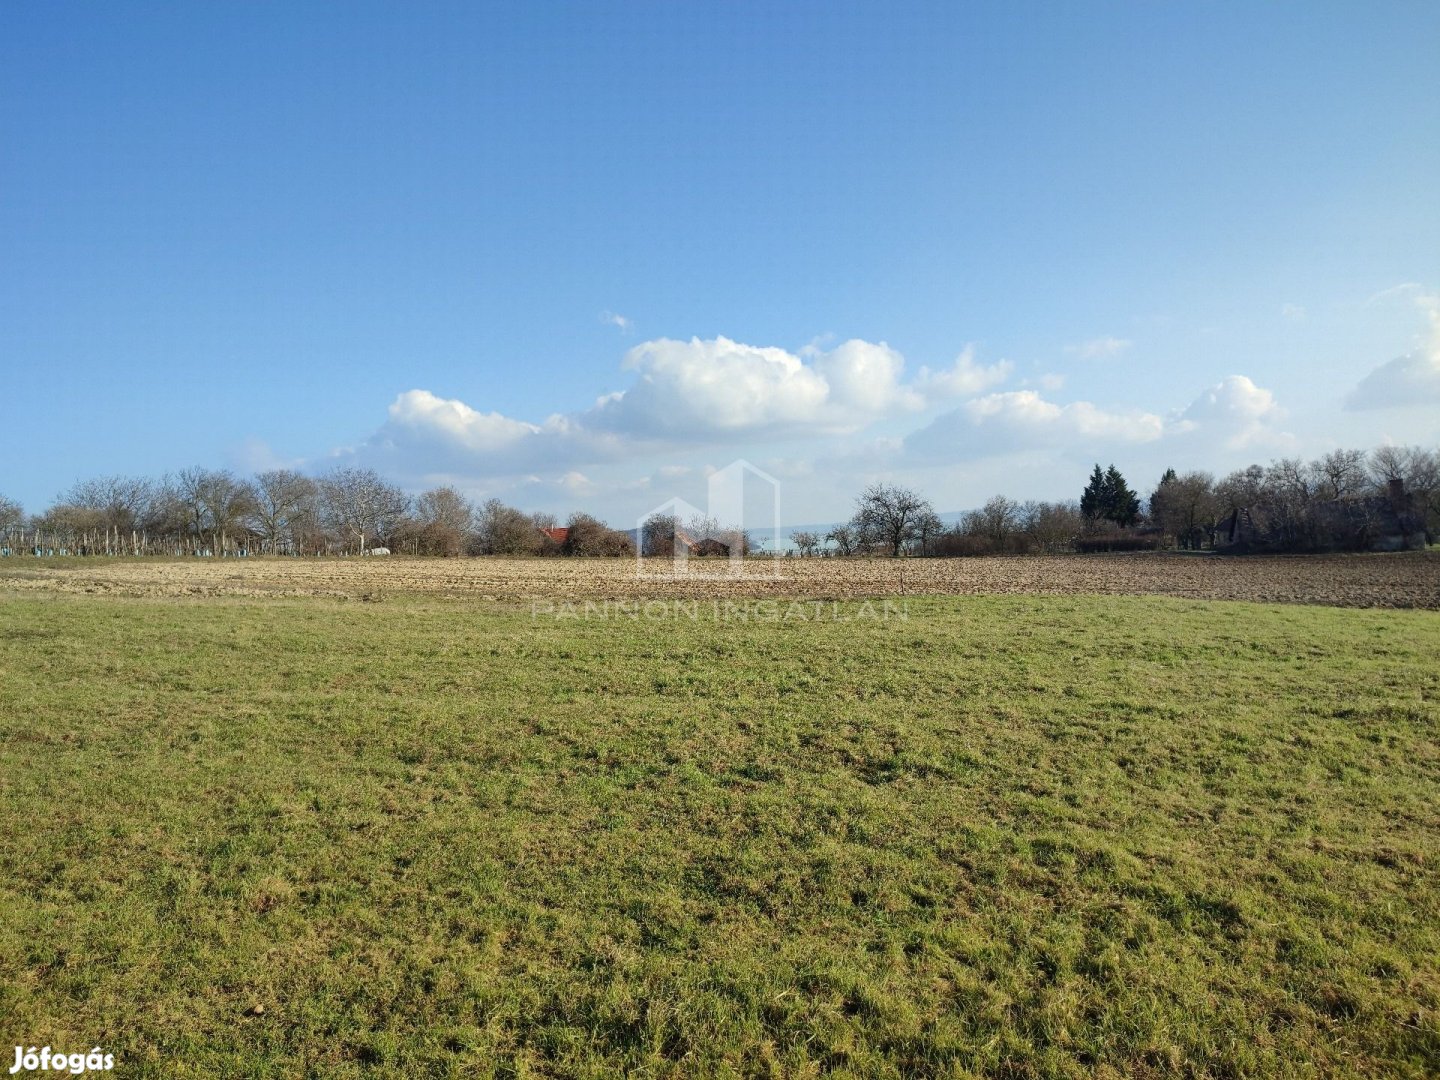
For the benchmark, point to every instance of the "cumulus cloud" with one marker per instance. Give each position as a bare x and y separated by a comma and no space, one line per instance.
1235,412
1098,348
683,393
690,396
425,434
962,378
424,413
689,390
1026,411
1023,419
1412,379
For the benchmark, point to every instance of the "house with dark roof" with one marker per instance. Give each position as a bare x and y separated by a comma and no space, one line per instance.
1388,522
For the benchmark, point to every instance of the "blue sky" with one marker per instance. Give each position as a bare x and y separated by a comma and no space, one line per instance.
969,247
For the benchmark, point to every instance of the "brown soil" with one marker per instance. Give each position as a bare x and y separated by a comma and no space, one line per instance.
1400,580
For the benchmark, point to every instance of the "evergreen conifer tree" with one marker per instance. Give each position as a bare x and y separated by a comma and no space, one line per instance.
1092,503
1122,505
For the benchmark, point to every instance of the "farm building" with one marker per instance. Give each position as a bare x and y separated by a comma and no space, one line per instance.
1388,522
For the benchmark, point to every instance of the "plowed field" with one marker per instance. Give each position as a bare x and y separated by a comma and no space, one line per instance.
1402,580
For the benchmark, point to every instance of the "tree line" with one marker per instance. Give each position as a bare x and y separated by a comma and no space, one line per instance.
284,512
1295,500
351,510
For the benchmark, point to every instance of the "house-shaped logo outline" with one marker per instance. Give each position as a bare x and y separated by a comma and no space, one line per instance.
725,498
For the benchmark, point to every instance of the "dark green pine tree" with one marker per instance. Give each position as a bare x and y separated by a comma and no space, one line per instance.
1092,502
1159,505
1157,497
1122,505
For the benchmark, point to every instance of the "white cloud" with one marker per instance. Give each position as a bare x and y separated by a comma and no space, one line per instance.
1098,348
1409,290
423,412
1027,411
683,393
255,455
1015,420
963,377
715,386
789,468
426,434
692,390
1412,379
864,379
618,321
1234,412
686,401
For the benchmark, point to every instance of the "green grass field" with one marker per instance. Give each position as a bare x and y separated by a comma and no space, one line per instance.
1013,837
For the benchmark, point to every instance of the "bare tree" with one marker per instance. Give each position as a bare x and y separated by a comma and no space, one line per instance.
119,501
805,542
1415,466
503,530
1052,526
890,514
1389,463
12,514
442,524
846,539
1290,489
545,527
709,535
993,528
586,535
659,535
215,505
1418,469
1241,489
358,504
12,517
166,517
284,504
228,501
445,506
1341,473
1186,507
998,518
928,527
190,496
69,526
